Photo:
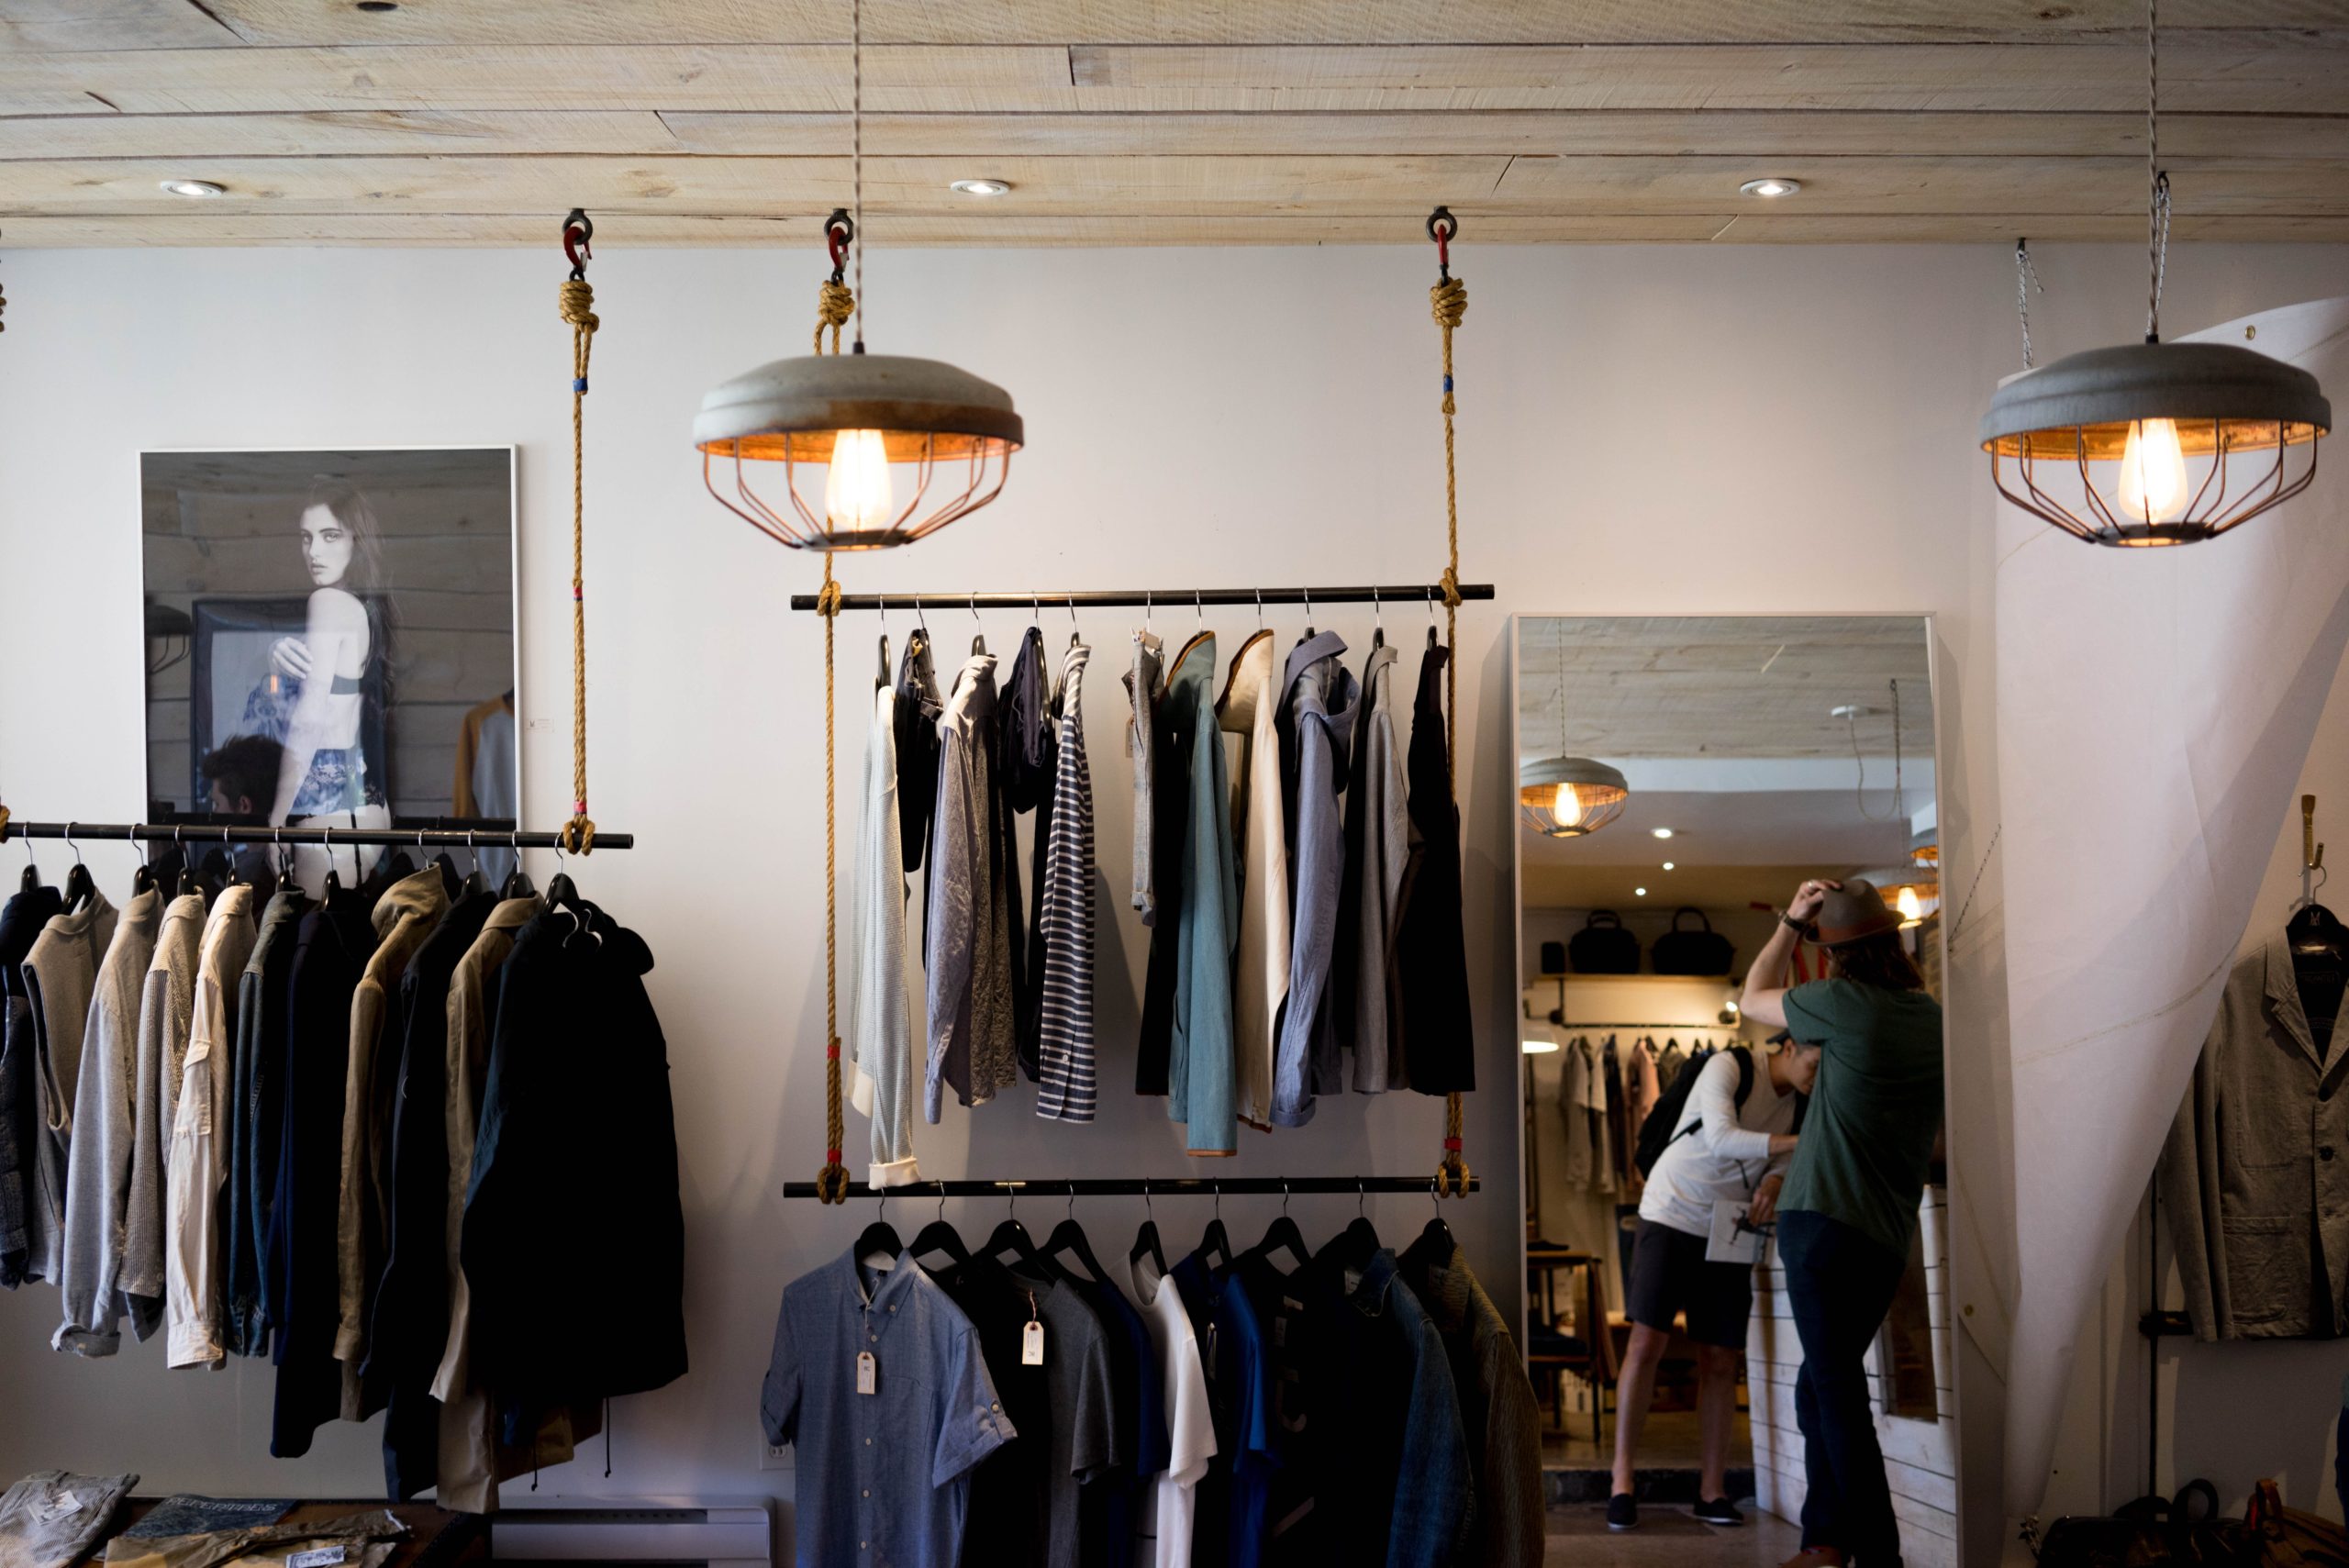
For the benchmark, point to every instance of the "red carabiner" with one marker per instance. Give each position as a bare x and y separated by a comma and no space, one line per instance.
578,229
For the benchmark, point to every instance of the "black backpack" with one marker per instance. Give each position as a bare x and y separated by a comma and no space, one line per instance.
1662,1130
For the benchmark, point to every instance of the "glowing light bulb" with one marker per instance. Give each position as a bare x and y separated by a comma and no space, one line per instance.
2152,472
1534,1046
1565,806
1911,911
858,495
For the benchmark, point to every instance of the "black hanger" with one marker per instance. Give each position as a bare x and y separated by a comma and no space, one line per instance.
1213,1242
1436,1233
1146,1243
30,881
287,881
881,675
188,883
2314,932
979,637
879,1235
78,887
334,873
144,877
1068,1237
1011,1237
1353,1247
1308,618
1282,1235
517,881
1378,623
940,1237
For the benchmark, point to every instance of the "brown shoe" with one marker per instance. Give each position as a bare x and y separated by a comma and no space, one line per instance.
1815,1557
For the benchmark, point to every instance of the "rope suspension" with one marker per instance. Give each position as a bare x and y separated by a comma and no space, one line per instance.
578,305
834,305
1448,302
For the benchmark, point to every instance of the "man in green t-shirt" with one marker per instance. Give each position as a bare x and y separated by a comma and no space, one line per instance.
1850,1203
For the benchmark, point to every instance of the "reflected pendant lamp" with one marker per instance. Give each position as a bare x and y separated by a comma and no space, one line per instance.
906,446
2153,443
1568,797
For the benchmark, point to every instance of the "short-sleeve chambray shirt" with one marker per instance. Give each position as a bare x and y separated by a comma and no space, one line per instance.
884,1478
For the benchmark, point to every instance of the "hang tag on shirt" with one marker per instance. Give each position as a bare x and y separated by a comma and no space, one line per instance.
1031,1344
867,1379
321,1557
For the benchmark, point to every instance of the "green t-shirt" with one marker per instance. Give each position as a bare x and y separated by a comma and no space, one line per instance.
1867,1139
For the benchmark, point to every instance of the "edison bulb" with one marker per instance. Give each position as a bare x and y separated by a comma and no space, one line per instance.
1566,806
858,494
1911,911
2152,472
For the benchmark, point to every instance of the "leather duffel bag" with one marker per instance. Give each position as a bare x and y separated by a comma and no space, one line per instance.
1603,946
1700,951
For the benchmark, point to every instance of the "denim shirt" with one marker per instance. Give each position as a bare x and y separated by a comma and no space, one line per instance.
1319,709
1201,1089
883,1477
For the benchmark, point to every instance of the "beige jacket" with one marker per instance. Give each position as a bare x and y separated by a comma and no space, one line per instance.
2255,1174
404,918
472,1462
195,1244
1259,831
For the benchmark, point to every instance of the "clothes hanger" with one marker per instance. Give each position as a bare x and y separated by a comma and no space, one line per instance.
2313,930
1282,1235
1431,617
144,877
881,675
878,1247
1068,1238
1146,1243
287,881
334,874
1353,1247
188,883
1377,622
517,881
1308,617
940,1237
1213,1242
1076,633
78,887
30,881
1436,1232
451,882
475,882
978,638
1012,1243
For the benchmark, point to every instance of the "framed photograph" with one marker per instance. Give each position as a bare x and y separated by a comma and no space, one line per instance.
330,636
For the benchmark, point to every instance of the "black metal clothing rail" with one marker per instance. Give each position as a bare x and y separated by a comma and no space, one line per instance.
221,833
1140,1187
1167,599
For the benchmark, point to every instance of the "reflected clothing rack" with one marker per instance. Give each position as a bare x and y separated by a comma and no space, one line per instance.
1401,595
222,833
1138,1186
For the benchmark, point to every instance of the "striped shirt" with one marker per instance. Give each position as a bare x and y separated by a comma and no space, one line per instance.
1065,1090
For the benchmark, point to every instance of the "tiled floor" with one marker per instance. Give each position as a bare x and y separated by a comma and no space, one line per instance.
1579,1536
1671,1440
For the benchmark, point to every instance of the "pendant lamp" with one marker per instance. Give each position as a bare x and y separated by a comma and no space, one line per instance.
2154,443
1568,797
905,444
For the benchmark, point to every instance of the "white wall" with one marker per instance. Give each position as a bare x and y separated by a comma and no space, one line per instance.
1666,430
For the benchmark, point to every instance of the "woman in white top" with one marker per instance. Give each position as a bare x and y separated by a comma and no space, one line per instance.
1721,1149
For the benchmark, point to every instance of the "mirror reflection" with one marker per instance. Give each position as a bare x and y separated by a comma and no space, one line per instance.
1730,939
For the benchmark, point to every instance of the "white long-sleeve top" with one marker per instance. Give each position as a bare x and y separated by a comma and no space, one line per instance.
195,1244
880,1023
1728,1155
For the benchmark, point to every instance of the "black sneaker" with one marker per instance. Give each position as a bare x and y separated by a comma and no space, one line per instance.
1720,1511
1622,1512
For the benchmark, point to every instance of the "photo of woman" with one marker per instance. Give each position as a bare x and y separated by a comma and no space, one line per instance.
350,611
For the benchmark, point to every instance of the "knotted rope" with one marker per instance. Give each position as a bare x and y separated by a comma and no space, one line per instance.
578,301
834,305
831,1182
1447,301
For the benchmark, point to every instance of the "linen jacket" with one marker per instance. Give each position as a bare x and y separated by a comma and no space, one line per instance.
195,1258
968,946
880,1028
2254,1177
97,1178
60,973
1249,708
1144,686
1319,708
1376,847
1199,1062
166,1017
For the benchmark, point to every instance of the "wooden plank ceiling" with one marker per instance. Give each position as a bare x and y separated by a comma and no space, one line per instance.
447,122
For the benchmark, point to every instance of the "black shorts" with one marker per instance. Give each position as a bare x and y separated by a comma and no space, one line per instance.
1671,1275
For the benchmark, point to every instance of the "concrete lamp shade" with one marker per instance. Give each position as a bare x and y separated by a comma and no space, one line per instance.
2064,439
1569,797
953,432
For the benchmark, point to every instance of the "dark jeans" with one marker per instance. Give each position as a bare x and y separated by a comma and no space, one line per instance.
1841,1282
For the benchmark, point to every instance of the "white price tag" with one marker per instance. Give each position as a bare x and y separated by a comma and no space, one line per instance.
1031,1344
867,1376
319,1557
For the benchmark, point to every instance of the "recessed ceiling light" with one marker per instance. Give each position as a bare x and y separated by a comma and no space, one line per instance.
980,187
1769,187
1667,865
1640,892
379,4
195,188
1661,832
1535,1047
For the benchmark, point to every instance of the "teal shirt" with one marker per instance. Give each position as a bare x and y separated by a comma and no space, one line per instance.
1867,1139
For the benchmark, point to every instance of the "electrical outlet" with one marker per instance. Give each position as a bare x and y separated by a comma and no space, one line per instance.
775,1456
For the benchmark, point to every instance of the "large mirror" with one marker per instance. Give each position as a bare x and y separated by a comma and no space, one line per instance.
1681,781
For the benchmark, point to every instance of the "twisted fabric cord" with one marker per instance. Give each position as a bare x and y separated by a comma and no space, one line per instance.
1448,299
831,1182
578,303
